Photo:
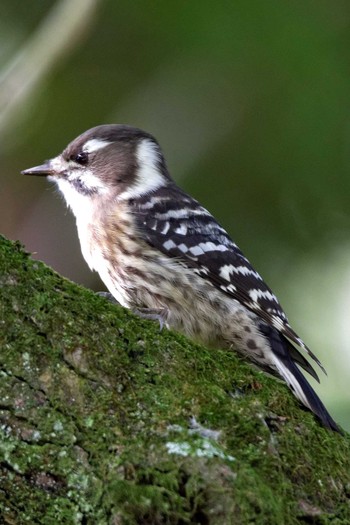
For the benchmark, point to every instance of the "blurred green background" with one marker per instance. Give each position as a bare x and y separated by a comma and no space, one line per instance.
250,102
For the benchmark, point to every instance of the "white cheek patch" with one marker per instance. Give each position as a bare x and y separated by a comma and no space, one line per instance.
148,176
90,181
94,145
81,205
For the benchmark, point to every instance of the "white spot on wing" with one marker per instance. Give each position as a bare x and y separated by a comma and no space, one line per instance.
211,247
277,323
183,248
169,244
182,229
228,269
151,202
225,271
254,306
148,176
165,228
94,145
228,288
181,213
196,250
204,247
257,294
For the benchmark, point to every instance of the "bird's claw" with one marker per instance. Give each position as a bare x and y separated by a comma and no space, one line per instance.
108,296
153,314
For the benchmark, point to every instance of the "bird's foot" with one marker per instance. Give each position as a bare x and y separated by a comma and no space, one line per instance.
108,296
153,314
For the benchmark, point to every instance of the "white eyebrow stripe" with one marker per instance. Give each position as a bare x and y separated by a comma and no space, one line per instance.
94,145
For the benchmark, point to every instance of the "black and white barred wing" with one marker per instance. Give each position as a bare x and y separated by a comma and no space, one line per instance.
179,227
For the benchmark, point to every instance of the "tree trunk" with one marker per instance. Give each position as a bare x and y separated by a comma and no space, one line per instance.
105,419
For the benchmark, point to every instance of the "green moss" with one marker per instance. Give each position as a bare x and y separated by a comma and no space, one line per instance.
104,419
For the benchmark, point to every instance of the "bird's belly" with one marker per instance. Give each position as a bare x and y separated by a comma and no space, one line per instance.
193,306
142,279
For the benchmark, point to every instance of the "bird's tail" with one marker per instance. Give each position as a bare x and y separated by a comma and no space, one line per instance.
288,370
304,392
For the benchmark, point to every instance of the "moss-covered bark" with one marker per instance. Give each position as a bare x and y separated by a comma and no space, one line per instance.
106,420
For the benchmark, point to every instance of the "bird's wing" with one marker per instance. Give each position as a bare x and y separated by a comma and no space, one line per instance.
176,225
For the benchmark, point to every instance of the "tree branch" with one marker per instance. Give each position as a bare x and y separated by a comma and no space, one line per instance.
105,419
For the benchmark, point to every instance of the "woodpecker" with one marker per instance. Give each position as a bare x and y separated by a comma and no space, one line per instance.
164,256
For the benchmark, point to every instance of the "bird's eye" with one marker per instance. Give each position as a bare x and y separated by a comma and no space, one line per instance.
81,158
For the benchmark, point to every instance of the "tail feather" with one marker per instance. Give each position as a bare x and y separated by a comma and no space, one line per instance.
298,358
284,362
304,392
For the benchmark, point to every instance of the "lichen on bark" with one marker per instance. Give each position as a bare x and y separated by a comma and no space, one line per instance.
105,419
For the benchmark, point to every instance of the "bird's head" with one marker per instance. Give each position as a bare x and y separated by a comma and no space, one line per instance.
106,162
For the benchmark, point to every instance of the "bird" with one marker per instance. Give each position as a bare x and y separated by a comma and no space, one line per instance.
163,255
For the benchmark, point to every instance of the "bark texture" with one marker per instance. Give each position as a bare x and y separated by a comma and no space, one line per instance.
106,420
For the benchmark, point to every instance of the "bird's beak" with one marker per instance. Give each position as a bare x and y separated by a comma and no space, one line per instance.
56,167
43,171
